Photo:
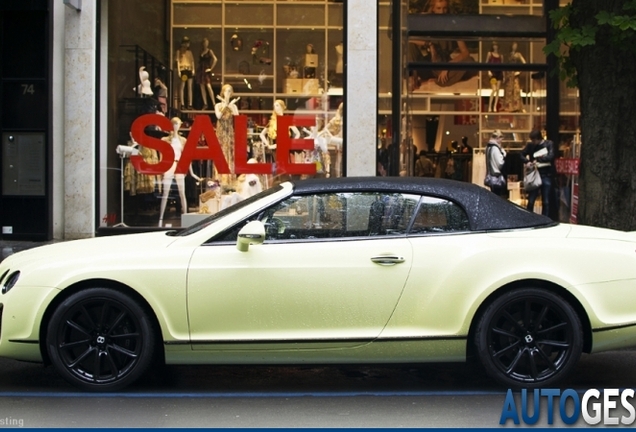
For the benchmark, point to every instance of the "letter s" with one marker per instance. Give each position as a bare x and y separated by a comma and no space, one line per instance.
163,147
628,393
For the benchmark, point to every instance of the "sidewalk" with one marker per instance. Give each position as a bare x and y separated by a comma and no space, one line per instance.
9,247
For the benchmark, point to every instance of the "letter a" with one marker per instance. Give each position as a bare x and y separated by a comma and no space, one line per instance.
509,410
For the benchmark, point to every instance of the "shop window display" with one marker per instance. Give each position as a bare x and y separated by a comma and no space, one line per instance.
451,111
238,64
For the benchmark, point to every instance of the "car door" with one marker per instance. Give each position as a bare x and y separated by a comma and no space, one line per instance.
329,273
447,265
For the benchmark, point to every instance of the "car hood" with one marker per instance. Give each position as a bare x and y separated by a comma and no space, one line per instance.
595,233
87,249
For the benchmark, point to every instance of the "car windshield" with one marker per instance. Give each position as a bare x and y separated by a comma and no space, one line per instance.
207,221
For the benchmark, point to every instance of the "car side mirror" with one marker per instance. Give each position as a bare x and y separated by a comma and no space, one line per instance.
252,233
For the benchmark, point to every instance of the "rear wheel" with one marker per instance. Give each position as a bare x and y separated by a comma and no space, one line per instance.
100,339
529,337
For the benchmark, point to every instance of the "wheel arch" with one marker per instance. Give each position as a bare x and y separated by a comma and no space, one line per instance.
100,283
532,283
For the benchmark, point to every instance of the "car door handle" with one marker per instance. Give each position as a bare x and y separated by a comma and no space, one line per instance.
388,260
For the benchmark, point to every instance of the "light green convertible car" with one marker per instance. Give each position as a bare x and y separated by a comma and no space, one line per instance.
350,270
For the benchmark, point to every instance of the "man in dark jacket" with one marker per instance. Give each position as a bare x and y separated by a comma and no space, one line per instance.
540,152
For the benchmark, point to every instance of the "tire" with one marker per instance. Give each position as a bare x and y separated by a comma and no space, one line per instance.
529,338
100,339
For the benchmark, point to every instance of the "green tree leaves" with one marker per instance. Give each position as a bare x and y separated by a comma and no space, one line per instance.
569,38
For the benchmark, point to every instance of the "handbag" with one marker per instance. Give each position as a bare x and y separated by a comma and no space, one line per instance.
497,181
531,178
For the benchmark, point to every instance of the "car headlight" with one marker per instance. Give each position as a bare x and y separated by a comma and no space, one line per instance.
10,282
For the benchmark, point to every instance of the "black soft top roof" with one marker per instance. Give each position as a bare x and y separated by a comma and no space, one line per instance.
486,211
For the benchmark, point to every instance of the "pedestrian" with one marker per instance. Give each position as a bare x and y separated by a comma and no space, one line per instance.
495,158
424,167
540,151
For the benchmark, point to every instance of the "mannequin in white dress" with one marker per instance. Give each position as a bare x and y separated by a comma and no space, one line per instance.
177,142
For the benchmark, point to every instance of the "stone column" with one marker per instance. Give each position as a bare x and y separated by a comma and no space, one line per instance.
80,91
361,92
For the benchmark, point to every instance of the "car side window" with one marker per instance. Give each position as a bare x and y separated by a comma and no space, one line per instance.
436,215
337,215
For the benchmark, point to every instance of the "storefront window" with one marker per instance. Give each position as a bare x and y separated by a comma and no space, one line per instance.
487,7
463,90
211,101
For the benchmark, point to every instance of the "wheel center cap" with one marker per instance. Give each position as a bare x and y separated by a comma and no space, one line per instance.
529,339
101,339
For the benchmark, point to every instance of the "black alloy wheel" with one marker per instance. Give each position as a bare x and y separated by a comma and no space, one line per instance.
529,338
99,339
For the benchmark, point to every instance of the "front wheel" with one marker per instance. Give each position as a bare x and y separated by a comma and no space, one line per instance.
529,337
100,339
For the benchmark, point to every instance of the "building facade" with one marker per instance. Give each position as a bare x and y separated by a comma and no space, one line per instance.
156,113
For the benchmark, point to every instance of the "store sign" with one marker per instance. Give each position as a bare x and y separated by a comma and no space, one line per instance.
567,166
202,126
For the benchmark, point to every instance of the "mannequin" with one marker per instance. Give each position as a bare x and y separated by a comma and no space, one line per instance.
495,77
186,71
144,89
320,154
311,61
269,133
225,111
333,134
512,90
339,64
465,147
161,90
333,129
248,185
207,62
177,142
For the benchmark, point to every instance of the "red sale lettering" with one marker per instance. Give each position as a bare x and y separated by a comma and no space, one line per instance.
240,151
213,151
163,147
202,126
285,145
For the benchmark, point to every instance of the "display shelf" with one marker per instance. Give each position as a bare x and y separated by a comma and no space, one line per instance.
258,43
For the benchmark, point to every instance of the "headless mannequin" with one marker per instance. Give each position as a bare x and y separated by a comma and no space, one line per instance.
162,95
207,62
339,62
495,78
177,142
144,89
185,68
512,90
333,129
